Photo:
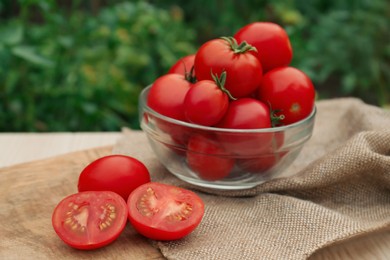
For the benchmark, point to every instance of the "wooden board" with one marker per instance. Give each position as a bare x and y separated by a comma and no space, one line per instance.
28,194
30,191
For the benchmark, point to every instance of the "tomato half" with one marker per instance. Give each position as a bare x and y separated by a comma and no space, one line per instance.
90,219
271,41
289,92
118,173
164,212
208,158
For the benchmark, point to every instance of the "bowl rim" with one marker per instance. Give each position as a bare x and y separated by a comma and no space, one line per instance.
142,103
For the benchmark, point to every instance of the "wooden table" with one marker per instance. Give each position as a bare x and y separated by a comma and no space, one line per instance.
20,150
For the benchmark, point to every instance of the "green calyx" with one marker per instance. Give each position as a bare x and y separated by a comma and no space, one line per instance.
243,47
190,75
276,120
220,81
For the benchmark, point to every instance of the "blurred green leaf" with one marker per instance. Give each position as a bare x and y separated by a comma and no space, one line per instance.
86,62
11,34
29,54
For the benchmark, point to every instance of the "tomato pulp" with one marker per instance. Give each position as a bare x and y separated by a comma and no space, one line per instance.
90,219
164,212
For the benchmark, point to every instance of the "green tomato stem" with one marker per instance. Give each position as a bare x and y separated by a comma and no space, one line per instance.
239,49
220,81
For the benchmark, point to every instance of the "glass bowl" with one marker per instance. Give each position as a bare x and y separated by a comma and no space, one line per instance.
219,158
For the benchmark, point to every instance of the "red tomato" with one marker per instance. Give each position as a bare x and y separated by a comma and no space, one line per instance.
183,66
244,71
259,164
118,173
289,92
267,160
207,158
271,41
206,102
90,219
166,96
246,113
164,212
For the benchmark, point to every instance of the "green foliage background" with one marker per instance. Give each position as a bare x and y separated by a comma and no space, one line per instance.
80,65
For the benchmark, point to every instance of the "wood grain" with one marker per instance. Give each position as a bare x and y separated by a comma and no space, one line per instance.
30,191
28,194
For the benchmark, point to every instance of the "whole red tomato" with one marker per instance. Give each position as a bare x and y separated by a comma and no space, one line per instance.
183,66
90,219
260,164
271,41
164,212
166,95
118,173
207,102
244,71
246,113
268,159
207,158
290,93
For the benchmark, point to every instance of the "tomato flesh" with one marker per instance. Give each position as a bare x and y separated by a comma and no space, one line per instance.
164,212
90,219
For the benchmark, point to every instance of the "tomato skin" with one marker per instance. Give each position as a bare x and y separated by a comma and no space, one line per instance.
164,212
244,71
271,41
205,103
183,65
290,92
266,160
207,158
91,219
166,96
118,173
246,113
260,164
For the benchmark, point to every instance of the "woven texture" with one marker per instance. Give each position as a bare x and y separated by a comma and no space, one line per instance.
340,189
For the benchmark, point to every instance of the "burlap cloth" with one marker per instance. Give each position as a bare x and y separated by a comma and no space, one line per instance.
341,190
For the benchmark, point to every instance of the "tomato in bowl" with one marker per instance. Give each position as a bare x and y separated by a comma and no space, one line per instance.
219,157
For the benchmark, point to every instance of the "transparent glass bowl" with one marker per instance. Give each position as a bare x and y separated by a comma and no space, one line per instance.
229,159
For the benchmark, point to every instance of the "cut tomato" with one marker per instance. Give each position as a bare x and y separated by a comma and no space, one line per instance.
90,219
164,212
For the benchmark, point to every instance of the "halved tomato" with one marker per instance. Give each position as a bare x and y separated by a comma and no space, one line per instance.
90,219
164,212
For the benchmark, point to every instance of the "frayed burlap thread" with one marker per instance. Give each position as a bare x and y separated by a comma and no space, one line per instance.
340,189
